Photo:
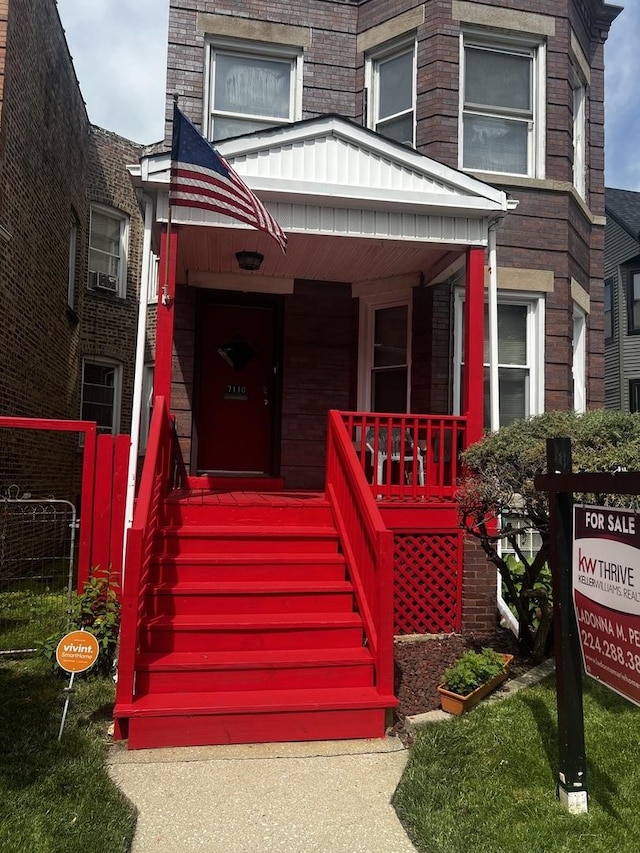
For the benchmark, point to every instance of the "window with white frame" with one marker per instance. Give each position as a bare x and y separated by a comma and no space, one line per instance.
73,249
633,301
108,233
391,91
101,393
146,409
385,346
152,282
579,134
520,357
251,87
502,105
579,359
609,285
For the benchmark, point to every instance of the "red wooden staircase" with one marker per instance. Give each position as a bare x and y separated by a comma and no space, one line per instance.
250,631
250,617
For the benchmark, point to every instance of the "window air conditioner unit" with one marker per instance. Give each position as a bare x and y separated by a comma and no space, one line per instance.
103,281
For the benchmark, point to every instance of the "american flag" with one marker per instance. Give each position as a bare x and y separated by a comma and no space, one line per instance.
200,177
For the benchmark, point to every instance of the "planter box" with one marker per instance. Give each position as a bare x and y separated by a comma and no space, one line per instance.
453,703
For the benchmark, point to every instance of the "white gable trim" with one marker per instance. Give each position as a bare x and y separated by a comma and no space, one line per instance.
328,175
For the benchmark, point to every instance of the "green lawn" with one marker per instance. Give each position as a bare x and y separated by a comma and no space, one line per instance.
28,616
485,782
57,797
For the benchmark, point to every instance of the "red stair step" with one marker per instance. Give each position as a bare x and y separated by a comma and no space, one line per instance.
255,717
226,597
251,631
246,538
254,670
249,567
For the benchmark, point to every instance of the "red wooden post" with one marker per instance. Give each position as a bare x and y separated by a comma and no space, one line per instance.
166,302
102,504
473,391
118,497
86,510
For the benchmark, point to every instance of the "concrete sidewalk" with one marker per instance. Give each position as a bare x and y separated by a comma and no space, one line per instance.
321,797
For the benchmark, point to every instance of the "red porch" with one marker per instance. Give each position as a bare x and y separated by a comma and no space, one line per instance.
281,512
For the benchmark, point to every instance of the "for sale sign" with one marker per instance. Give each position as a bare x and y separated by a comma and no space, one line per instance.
606,595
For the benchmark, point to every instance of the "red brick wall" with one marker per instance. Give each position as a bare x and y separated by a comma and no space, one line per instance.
320,335
479,590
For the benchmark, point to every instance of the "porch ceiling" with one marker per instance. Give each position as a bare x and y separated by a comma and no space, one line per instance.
309,256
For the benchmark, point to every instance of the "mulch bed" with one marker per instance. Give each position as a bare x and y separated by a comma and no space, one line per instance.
421,660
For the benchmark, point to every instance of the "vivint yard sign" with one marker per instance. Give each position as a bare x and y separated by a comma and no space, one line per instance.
606,594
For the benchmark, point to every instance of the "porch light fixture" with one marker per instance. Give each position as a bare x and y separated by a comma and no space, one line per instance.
249,260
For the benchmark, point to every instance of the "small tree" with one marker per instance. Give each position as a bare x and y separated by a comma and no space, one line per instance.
498,497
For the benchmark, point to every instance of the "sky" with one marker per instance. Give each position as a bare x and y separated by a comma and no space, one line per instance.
119,50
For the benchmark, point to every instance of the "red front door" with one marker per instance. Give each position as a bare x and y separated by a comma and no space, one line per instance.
237,367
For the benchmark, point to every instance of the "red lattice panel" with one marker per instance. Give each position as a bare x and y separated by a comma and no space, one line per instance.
427,582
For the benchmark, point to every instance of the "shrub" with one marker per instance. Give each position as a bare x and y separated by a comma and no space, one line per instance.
472,670
96,610
499,491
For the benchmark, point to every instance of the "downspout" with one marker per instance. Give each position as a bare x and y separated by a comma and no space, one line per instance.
138,375
494,387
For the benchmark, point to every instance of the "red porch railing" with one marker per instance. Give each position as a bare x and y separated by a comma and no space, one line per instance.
367,546
157,475
408,457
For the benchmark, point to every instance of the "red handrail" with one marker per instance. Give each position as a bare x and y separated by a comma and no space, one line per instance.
154,482
367,547
408,457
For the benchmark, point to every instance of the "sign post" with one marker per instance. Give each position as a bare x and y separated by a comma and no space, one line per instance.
596,589
77,651
572,770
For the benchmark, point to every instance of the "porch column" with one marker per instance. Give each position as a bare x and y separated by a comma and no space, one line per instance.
473,389
166,303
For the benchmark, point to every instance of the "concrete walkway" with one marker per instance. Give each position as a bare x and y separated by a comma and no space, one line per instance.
321,797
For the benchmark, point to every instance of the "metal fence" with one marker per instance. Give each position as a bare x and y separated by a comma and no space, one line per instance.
37,557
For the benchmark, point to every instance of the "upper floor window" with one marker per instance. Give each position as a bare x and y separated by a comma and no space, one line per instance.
251,88
579,134
101,393
108,250
609,284
502,106
391,84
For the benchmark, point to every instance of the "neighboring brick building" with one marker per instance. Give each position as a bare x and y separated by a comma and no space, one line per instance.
58,322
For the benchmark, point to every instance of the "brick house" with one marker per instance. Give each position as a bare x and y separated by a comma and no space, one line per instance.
622,300
419,156
70,245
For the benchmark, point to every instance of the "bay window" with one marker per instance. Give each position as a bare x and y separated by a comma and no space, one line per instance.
502,113
520,357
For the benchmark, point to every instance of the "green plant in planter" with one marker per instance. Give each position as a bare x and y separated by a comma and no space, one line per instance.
472,670
96,610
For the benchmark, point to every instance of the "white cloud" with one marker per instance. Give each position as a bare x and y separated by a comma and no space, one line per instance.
119,50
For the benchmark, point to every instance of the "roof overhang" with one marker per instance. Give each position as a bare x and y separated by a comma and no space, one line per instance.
328,177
